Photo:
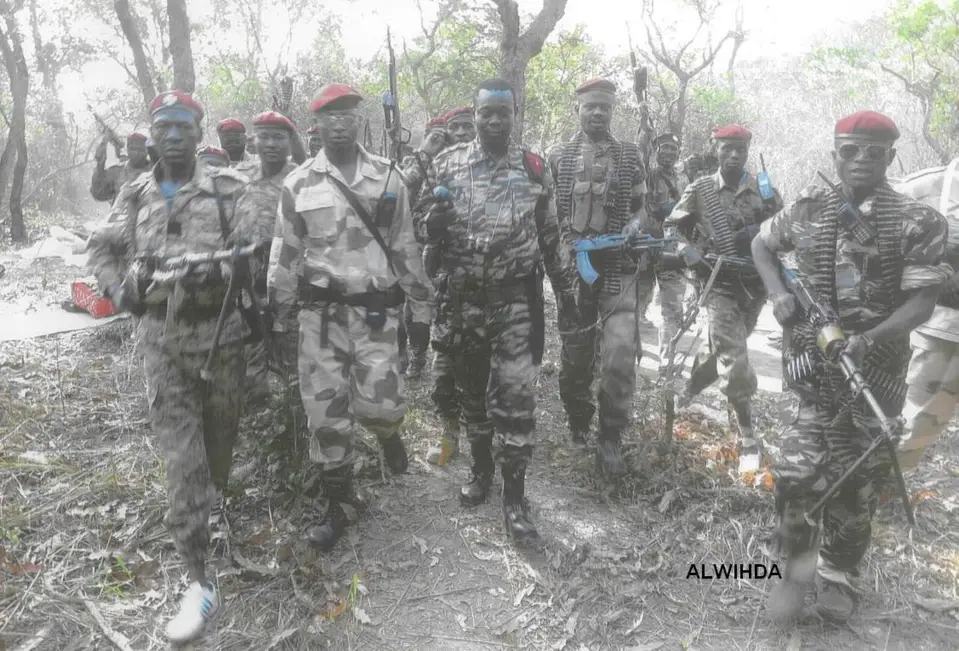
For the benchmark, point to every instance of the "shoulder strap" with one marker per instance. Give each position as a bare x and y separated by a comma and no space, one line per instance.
713,211
673,192
221,211
365,217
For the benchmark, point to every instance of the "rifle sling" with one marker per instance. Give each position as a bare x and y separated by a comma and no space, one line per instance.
365,217
722,235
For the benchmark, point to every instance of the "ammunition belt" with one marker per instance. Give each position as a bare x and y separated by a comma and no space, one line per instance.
392,297
722,234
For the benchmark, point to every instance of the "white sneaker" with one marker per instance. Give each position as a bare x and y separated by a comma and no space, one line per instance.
199,605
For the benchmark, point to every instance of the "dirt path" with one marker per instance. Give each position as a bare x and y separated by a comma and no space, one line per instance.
81,506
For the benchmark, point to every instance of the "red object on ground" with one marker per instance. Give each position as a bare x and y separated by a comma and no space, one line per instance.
85,298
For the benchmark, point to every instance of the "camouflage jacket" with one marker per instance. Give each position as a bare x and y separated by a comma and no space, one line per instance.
261,197
106,183
506,223
321,241
742,206
664,188
858,268
144,222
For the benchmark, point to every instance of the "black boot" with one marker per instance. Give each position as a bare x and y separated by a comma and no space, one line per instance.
750,452
395,452
515,508
338,486
609,455
579,436
476,490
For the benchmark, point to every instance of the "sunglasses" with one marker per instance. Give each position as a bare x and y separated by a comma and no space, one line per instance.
850,151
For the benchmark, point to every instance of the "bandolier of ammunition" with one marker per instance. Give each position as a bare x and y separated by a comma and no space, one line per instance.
722,234
619,194
803,364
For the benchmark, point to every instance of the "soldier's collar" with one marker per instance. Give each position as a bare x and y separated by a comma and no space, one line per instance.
364,164
478,154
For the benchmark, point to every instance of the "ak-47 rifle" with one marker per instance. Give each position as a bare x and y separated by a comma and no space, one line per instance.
391,108
108,132
849,215
640,73
640,83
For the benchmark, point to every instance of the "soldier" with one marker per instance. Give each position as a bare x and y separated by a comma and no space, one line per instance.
232,135
710,162
881,286
273,133
316,142
414,170
210,156
493,233
693,167
180,208
106,183
600,189
933,377
665,187
460,128
721,213
344,248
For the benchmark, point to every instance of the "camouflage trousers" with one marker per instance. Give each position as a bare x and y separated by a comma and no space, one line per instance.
818,444
349,373
489,348
614,344
196,424
932,396
732,311
444,394
672,291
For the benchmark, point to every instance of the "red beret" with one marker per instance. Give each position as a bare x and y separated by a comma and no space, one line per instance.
315,129
136,135
461,110
602,85
732,132
335,96
172,98
230,125
210,150
436,123
868,123
273,119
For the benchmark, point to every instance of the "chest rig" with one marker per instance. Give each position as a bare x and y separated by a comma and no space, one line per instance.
885,365
616,201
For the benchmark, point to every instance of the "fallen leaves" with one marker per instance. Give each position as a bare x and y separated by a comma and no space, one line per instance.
936,605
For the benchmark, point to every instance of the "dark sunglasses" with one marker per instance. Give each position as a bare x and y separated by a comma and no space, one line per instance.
850,151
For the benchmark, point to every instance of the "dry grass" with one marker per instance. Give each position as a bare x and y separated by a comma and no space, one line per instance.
86,563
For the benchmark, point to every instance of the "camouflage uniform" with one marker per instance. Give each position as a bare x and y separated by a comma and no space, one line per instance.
825,430
735,300
595,197
933,376
258,206
324,255
195,421
505,226
107,182
664,190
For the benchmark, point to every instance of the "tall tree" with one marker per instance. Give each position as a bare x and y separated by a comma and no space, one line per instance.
11,48
144,71
180,48
517,48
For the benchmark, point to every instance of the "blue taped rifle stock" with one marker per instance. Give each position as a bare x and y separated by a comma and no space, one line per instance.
606,242
765,185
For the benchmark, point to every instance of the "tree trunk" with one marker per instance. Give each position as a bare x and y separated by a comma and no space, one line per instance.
516,50
180,49
129,26
16,63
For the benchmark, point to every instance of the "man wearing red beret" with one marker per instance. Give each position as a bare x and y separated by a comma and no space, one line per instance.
460,126
179,208
344,249
495,227
316,142
414,171
232,135
211,156
720,213
106,183
600,189
882,281
273,135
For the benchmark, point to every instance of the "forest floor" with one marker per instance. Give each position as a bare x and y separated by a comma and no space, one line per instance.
86,563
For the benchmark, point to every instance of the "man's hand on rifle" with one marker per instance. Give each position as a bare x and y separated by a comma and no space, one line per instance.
125,295
434,143
439,218
785,307
694,259
633,232
857,347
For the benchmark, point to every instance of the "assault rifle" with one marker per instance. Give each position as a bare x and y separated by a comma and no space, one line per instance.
606,242
108,132
849,215
742,265
831,342
391,108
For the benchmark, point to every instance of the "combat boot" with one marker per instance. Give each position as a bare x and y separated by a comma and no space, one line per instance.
516,518
338,486
416,366
835,602
609,455
750,454
579,436
448,448
395,453
476,490
797,542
